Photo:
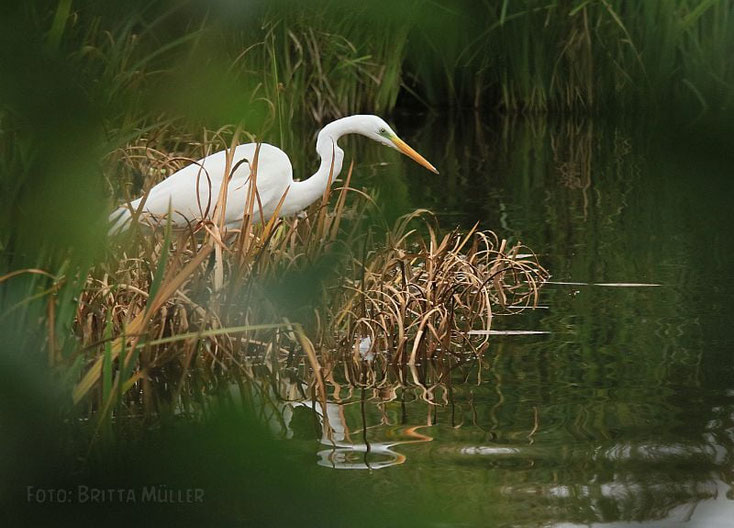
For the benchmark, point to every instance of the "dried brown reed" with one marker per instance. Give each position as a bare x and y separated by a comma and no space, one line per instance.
198,297
419,296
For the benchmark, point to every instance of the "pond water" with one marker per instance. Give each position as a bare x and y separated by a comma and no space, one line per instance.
610,404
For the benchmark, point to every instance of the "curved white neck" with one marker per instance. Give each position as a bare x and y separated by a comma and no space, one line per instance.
304,193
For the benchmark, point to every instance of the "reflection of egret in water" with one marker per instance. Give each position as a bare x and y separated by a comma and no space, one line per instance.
343,452
277,403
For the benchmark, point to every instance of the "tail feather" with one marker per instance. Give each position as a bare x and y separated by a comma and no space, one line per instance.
120,220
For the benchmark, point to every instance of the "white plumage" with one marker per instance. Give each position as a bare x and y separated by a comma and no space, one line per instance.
192,193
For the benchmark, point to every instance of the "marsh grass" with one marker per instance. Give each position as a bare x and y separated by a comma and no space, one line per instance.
529,56
585,56
314,63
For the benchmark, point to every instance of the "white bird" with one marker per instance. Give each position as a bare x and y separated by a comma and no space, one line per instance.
192,193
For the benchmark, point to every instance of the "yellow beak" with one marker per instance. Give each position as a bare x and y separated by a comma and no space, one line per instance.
412,154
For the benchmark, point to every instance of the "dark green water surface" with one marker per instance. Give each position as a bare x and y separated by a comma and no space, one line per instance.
622,409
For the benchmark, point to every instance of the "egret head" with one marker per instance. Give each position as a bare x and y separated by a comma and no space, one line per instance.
378,130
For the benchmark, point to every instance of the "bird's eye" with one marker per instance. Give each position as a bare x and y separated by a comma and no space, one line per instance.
382,131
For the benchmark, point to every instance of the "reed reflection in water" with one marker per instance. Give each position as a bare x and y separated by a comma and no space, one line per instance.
464,424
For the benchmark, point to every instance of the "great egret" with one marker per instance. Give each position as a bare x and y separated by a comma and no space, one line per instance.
192,193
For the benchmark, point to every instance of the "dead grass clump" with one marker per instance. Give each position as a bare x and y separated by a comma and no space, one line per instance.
421,295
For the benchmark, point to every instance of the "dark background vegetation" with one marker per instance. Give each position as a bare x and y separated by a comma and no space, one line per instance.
80,79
